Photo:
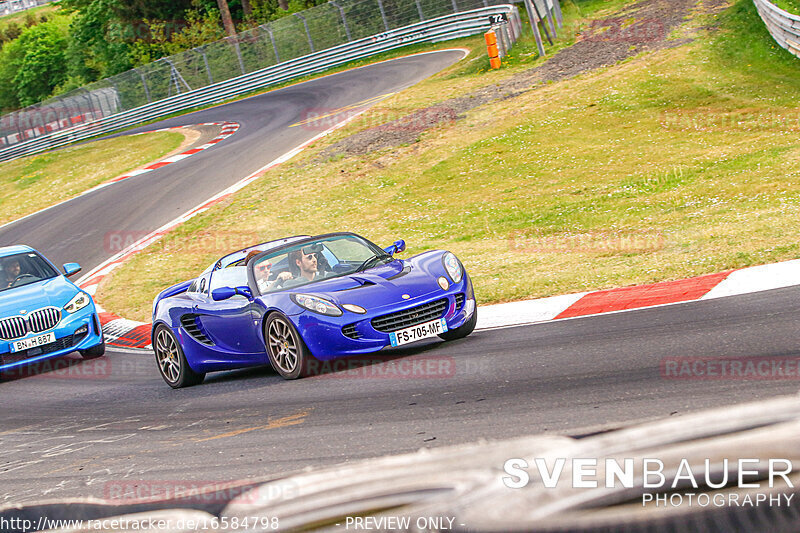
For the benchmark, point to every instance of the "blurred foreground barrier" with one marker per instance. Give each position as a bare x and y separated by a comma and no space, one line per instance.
730,469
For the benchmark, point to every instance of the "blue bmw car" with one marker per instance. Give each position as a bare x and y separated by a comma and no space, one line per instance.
42,313
290,302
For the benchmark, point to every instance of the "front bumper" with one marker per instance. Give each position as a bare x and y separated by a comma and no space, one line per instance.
353,334
66,340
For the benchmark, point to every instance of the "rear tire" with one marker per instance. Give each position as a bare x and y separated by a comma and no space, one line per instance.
287,352
171,361
94,352
462,331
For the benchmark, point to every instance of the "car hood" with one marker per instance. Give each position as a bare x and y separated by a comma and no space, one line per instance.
55,292
383,285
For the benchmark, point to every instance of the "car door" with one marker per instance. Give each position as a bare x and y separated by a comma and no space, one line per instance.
232,324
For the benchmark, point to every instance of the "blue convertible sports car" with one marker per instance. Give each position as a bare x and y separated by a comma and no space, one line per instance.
42,313
291,301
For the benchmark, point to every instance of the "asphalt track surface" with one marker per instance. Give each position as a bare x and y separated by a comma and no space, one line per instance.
87,427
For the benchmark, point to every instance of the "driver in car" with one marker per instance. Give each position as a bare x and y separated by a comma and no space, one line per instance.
11,270
305,268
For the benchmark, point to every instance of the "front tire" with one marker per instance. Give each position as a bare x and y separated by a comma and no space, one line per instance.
94,352
287,352
462,331
171,361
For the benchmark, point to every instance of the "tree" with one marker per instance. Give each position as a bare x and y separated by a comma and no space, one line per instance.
227,21
99,42
38,59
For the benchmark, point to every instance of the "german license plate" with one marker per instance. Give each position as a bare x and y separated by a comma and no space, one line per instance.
33,342
419,332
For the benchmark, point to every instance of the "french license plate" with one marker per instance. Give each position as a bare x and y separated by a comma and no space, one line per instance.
419,332
33,342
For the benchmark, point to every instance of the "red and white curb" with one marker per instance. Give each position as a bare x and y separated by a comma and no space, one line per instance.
728,283
228,129
131,334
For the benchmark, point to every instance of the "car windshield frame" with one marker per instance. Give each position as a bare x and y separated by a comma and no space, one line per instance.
318,239
44,266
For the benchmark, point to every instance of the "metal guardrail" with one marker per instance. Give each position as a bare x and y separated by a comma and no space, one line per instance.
15,6
782,25
433,30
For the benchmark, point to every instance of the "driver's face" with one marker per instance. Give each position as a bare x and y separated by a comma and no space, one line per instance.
12,269
308,263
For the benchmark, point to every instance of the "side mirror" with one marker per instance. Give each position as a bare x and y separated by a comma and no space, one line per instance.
70,269
396,247
224,293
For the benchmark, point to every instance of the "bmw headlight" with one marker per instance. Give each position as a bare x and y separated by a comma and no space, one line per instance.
78,302
316,304
453,267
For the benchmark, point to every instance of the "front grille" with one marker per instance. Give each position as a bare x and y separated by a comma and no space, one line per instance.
189,323
36,322
459,300
61,344
43,319
12,328
350,331
410,317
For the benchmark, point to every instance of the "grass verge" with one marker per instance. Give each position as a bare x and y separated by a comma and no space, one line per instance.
36,182
675,163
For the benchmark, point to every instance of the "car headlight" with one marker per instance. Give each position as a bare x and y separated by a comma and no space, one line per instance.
78,302
453,267
316,304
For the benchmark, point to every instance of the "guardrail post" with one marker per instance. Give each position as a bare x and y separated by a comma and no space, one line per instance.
274,46
549,9
559,17
533,17
501,42
516,24
202,50
508,42
419,10
344,19
238,53
308,33
383,15
144,84
117,101
540,17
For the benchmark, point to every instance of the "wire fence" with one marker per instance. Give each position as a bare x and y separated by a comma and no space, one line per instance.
782,25
319,28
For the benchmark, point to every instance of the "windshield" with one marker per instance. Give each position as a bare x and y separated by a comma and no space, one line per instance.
233,276
323,258
23,269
